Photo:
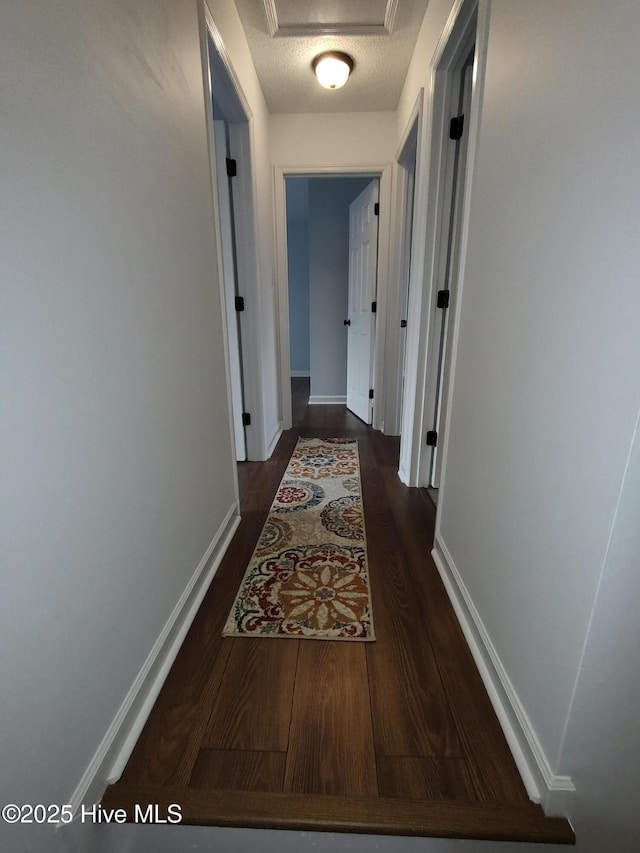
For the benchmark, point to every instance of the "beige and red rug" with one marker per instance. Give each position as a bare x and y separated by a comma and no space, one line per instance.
308,577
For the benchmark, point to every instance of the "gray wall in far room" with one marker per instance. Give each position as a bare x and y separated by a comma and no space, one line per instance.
329,200
298,270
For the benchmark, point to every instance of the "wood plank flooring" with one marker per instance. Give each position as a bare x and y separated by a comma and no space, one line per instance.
396,736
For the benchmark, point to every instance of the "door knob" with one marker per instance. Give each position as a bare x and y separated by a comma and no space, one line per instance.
347,322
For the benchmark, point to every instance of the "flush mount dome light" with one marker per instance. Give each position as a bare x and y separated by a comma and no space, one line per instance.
332,69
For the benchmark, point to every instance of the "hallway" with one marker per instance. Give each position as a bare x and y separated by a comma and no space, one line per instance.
396,736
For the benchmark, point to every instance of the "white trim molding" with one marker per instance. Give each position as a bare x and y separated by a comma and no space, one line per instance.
403,237
390,16
112,754
553,792
320,400
272,16
221,49
277,30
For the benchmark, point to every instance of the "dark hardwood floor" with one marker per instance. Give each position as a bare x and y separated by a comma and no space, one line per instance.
396,736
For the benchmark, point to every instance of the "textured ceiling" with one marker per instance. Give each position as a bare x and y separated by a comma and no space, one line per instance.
285,35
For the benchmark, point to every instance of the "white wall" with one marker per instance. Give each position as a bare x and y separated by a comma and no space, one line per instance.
418,73
332,139
261,308
329,200
546,384
298,269
602,748
117,469
545,394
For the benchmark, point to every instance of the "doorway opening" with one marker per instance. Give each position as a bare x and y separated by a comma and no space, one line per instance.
226,170
382,172
450,232
332,253
407,160
437,264
231,166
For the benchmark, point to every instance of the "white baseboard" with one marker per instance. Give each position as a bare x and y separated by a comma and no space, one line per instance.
317,400
110,758
403,474
554,793
302,374
272,444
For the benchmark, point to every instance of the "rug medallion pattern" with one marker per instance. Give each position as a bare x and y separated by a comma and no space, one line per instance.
308,576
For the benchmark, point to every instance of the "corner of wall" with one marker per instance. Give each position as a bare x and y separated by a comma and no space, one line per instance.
554,792
112,754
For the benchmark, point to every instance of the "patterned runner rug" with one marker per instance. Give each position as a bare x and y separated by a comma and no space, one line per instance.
308,576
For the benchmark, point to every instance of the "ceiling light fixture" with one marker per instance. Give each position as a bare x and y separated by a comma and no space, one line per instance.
332,69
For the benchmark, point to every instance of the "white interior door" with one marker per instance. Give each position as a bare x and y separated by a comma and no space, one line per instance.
363,262
229,274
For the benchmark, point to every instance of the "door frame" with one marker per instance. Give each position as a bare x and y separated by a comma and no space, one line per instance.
362,218
241,133
228,248
406,236
280,174
449,231
420,384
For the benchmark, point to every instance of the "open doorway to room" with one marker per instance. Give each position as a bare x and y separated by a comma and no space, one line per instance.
371,299
233,299
407,168
437,268
449,238
332,248
231,165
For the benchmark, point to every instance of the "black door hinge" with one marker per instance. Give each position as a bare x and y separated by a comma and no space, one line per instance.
456,127
403,324
374,307
443,299
376,209
432,438
371,393
239,301
232,167
246,419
